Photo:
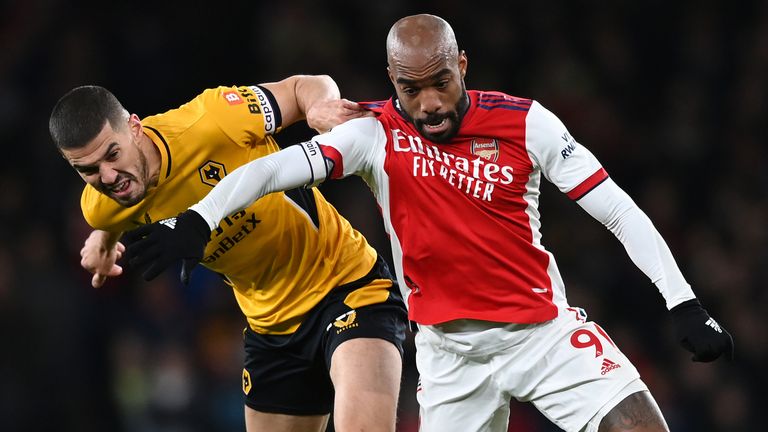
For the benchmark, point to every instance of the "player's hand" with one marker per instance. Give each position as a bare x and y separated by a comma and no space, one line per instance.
99,259
699,333
324,116
155,247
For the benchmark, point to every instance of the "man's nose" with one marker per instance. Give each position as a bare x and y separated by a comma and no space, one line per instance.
430,101
108,174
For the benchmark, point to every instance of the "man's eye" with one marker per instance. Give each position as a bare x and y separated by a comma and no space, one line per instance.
410,91
112,156
442,84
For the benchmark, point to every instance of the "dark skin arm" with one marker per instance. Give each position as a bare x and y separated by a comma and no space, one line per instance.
638,412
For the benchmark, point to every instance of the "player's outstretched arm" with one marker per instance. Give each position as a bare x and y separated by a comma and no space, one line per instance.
696,330
314,98
99,255
156,246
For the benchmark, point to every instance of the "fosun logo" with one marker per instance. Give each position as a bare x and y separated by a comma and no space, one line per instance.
344,322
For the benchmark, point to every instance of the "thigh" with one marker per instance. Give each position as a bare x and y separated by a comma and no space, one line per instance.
456,392
363,348
366,375
256,421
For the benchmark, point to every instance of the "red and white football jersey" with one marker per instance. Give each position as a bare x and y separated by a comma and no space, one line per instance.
463,216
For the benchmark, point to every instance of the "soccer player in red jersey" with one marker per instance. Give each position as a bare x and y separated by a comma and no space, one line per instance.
456,174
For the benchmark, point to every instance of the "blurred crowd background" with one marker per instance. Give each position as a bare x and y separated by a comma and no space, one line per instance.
670,96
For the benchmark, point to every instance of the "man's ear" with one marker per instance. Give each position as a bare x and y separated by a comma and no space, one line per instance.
134,123
389,74
462,63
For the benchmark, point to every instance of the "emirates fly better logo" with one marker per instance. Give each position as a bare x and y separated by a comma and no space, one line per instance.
476,175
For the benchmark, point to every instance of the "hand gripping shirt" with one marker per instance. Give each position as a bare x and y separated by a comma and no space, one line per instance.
282,254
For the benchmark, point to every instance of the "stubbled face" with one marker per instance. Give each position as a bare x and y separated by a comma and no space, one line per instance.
114,164
431,91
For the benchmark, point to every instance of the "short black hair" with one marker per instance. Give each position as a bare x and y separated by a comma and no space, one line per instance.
81,114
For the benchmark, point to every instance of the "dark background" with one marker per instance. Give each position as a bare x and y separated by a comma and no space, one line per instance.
670,96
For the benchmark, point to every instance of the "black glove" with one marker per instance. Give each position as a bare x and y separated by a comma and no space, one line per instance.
699,333
154,247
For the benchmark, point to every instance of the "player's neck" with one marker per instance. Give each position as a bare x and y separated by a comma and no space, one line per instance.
154,160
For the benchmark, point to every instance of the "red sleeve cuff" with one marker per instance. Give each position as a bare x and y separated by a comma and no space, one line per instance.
334,155
587,185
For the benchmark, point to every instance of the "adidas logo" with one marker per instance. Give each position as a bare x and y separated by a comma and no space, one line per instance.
170,222
715,326
608,366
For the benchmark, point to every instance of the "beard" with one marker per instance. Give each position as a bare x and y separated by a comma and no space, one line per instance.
453,118
140,187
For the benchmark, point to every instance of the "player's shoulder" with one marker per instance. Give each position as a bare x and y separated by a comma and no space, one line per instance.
95,207
491,100
359,128
218,96
211,101
376,107
103,213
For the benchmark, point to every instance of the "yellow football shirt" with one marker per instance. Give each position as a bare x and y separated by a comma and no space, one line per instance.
282,254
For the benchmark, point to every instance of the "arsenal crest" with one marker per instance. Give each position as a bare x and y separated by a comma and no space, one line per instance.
487,149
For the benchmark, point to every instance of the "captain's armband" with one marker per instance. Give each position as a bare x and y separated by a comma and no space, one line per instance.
317,162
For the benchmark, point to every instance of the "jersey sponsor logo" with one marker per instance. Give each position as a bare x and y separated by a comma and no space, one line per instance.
243,222
246,381
570,145
248,96
477,177
344,322
232,98
266,109
211,172
608,366
485,149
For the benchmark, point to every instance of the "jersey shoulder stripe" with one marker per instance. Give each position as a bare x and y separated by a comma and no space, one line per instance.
502,106
375,106
505,99
494,100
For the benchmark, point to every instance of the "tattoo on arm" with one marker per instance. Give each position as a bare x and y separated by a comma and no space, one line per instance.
637,412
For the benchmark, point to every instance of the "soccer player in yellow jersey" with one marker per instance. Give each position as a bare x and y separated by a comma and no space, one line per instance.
325,319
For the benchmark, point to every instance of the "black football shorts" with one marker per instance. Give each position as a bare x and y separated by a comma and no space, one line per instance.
289,374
